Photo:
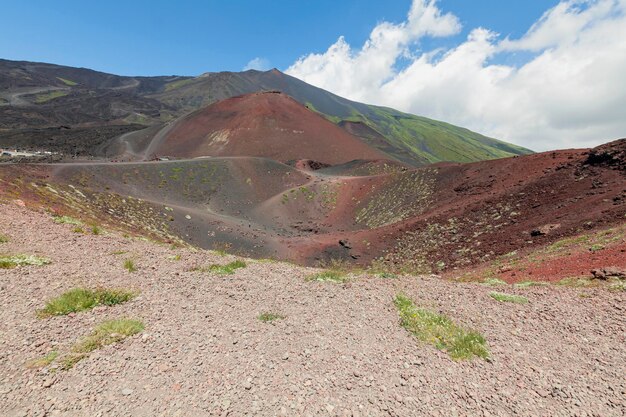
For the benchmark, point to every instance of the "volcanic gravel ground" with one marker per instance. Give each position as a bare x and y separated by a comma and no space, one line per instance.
339,351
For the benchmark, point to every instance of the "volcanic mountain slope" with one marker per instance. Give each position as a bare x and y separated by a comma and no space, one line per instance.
39,95
414,139
438,218
270,125
44,96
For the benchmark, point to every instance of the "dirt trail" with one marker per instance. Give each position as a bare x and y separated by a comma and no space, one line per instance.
340,350
13,97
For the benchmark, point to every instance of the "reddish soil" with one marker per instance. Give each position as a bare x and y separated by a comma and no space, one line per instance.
481,210
447,217
271,125
574,265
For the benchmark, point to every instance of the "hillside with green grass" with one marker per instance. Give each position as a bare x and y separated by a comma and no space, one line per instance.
413,139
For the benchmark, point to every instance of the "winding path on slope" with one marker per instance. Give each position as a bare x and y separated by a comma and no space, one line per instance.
13,97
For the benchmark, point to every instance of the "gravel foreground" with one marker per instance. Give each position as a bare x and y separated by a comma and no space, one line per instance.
340,350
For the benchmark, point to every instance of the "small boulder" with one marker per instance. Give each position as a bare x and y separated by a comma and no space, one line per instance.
608,272
545,229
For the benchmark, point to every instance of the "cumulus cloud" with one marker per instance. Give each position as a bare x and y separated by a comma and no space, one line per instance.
259,64
570,91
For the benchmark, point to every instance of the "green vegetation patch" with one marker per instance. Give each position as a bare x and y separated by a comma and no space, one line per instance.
178,83
130,266
508,298
107,333
526,284
337,277
80,299
67,82
577,282
67,220
13,261
43,361
43,98
404,195
492,282
270,317
3,238
227,269
440,331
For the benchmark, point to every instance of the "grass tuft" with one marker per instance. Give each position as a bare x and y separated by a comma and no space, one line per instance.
492,282
508,298
329,276
107,333
130,266
13,261
43,361
3,238
577,282
270,317
440,331
80,299
69,361
96,230
526,284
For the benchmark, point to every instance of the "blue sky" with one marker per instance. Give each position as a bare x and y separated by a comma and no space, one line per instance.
191,37
552,77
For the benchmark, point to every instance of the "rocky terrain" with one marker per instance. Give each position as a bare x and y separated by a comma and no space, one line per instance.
440,218
248,244
338,348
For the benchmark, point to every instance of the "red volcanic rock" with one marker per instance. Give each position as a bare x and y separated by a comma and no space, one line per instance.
271,125
309,165
608,272
611,154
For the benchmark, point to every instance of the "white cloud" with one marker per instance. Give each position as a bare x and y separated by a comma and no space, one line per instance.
571,92
259,64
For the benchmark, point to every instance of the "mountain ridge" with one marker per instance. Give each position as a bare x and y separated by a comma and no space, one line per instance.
78,97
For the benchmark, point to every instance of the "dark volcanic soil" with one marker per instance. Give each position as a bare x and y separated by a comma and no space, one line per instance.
65,140
439,218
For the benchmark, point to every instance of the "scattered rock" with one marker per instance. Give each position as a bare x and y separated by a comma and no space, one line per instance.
544,230
345,244
608,272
